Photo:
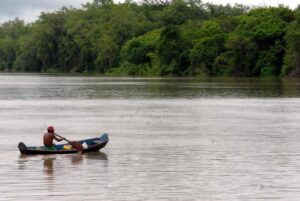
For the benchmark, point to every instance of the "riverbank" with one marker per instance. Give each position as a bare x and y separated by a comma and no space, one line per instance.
177,38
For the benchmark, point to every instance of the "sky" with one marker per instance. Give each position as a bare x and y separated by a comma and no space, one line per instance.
29,10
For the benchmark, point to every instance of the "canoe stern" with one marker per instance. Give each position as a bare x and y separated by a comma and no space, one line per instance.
22,147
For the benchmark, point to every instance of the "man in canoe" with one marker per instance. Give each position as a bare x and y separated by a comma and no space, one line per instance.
48,139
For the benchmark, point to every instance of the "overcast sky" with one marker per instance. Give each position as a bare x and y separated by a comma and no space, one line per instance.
29,10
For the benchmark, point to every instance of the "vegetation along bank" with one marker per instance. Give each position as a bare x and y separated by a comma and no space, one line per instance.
156,38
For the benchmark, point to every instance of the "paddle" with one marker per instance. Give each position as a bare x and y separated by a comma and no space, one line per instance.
74,144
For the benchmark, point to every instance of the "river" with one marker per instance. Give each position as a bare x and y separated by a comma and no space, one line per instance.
170,139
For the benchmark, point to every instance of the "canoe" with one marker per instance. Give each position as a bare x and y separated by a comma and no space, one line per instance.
89,145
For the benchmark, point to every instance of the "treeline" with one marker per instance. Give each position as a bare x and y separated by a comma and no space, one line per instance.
156,38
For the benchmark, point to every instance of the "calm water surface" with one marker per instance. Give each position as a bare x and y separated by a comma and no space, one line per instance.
170,139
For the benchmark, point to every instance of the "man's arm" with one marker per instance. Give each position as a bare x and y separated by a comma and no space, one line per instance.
58,138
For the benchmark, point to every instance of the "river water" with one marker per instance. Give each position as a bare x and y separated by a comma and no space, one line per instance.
170,139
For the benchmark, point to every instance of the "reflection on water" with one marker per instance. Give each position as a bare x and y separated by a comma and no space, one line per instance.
57,168
48,168
49,160
64,87
77,159
96,156
170,139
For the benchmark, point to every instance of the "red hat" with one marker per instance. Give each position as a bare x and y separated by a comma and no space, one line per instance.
50,129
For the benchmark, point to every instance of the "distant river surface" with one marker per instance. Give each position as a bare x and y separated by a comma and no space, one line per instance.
170,139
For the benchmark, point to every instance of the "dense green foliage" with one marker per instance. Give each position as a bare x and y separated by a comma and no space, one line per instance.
156,38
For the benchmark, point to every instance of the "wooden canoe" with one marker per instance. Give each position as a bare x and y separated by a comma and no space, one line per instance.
90,145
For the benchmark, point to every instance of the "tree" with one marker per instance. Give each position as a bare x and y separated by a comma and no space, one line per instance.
292,57
179,12
107,57
255,47
98,4
10,32
171,52
27,60
216,11
207,48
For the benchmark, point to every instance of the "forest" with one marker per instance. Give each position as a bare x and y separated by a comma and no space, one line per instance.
156,38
